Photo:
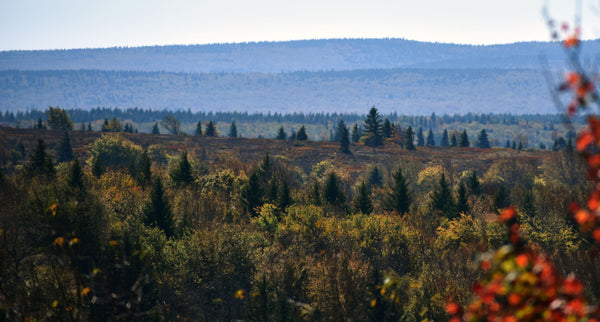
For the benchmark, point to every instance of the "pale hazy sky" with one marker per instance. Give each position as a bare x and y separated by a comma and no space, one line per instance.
57,24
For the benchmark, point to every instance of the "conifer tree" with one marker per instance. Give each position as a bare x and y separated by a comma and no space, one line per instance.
292,136
75,178
284,198
473,183
501,199
462,206
344,140
143,164
356,133
445,142
252,194
420,137
520,146
182,173
281,135
337,134
158,211
233,130
97,166
464,140
362,201
333,193
315,194
211,129
375,177
482,140
442,200
198,130
507,145
453,140
41,162
527,205
386,130
410,138
398,199
430,139
372,133
89,127
65,150
59,119
301,135
514,145
272,191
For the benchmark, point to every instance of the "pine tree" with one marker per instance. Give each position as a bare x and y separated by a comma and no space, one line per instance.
501,199
158,211
65,150
520,146
482,140
445,140
473,183
430,140
375,177
143,164
372,133
464,140
453,140
338,131
442,200
386,130
41,162
398,198
356,133
333,193
281,135
301,135
40,125
362,201
182,173
292,136
233,130
272,191
462,206
89,127
284,198
75,179
97,166
344,141
410,138
211,129
252,194
507,145
420,137
315,194
527,205
514,145
198,130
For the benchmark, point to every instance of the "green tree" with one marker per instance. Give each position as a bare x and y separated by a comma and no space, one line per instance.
284,197
143,171
158,211
387,129
41,162
462,206
430,139
338,131
464,140
332,192
315,194
58,119
182,173
410,138
301,135
114,125
482,140
281,135
75,178
233,130
398,199
198,131
375,177
473,183
172,124
420,137
40,125
453,140
155,129
65,150
252,193
507,145
442,200
362,201
344,140
372,135
356,133
501,198
445,142
211,129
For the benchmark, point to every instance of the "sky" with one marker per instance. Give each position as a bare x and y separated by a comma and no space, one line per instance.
65,24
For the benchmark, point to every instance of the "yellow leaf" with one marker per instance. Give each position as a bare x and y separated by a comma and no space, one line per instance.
373,302
55,303
58,241
113,243
53,209
239,294
74,241
85,291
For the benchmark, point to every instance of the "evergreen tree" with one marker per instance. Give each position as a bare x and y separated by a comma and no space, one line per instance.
198,130
482,140
301,135
315,194
442,200
410,138
462,206
386,130
473,183
338,131
356,133
233,130
507,145
182,173
172,124
333,193
284,198
41,162
97,166
59,119
501,199
372,133
272,191
143,164
158,211
527,205
40,125
292,136
344,141
211,129
464,140
281,135
430,140
375,177
520,146
252,194
82,127
75,179
445,140
89,127
398,198
453,140
65,150
362,201
420,137
514,145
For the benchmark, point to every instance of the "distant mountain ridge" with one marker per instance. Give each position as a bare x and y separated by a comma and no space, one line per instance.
290,56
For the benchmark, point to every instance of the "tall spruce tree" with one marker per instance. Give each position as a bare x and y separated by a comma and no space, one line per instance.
158,211
372,133
462,205
356,133
182,173
332,192
420,137
344,140
338,131
281,135
301,135
501,198
409,138
445,142
41,162
75,178
482,140
362,200
65,150
464,140
430,139
442,200
233,130
453,140
398,199
252,194
386,130
198,130
284,197
211,129
473,183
